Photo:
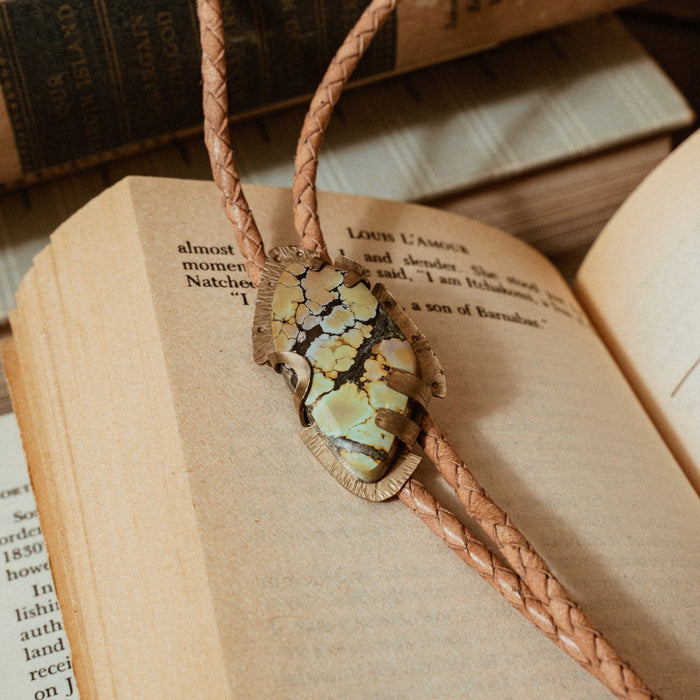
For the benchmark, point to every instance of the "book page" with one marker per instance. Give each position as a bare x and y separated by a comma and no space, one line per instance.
35,659
640,283
196,532
106,471
316,590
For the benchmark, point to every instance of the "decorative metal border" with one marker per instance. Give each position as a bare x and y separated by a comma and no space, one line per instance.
431,374
405,463
278,260
431,371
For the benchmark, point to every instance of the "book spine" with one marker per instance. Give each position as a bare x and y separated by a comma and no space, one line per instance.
86,80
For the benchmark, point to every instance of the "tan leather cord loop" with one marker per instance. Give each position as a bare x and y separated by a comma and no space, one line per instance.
604,661
306,221
521,576
449,528
621,680
218,141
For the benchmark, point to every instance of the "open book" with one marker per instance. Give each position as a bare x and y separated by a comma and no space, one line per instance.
199,550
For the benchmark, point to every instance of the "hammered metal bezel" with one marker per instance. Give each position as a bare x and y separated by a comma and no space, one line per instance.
407,457
277,261
405,463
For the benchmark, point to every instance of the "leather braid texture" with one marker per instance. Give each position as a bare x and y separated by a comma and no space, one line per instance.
306,220
218,141
517,571
618,677
570,628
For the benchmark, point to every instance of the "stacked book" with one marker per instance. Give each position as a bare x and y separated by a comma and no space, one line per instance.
543,137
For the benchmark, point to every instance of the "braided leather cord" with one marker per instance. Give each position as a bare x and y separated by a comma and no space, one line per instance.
572,635
306,221
521,576
218,141
597,655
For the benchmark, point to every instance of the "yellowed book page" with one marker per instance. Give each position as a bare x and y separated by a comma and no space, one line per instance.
35,657
37,402
641,284
118,477
318,593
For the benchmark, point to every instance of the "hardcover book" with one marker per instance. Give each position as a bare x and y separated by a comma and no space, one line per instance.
199,550
115,77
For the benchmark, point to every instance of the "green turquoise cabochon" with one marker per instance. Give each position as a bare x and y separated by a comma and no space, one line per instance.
357,375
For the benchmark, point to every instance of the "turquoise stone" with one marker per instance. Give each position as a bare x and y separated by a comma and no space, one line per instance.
351,344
